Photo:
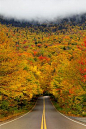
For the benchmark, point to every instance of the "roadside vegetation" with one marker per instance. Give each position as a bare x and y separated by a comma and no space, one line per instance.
35,60
19,109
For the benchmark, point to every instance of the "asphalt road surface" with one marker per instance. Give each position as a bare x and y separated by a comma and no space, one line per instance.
43,116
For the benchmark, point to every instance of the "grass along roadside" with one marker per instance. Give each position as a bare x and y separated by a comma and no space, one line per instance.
66,110
14,112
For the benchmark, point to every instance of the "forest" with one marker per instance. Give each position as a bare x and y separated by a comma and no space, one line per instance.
36,60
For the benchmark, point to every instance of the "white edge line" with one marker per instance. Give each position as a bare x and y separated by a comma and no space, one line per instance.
18,117
68,117
72,120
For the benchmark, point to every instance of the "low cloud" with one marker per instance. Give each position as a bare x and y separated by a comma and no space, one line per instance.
41,10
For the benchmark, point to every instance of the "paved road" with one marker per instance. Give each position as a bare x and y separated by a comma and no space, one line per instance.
43,116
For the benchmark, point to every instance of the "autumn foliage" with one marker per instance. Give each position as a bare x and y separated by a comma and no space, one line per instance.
34,61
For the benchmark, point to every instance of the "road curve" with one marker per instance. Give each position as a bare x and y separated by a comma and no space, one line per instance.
55,120
31,120
43,113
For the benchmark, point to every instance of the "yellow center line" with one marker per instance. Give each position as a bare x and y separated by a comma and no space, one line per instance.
43,123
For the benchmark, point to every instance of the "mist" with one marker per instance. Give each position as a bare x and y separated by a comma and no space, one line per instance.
41,10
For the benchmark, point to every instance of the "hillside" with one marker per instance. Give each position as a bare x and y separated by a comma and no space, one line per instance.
37,59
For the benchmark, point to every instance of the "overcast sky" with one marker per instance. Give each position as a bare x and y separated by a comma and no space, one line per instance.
41,9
